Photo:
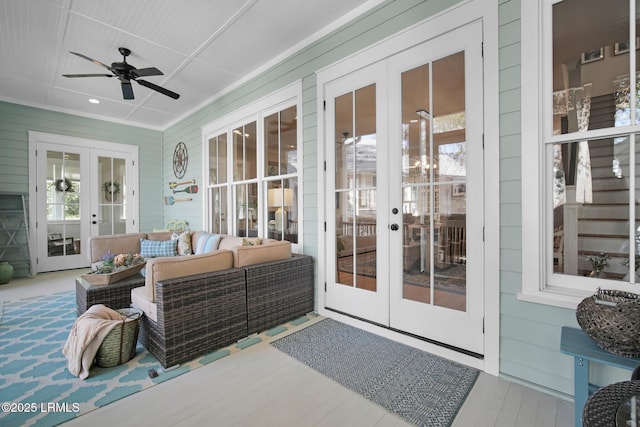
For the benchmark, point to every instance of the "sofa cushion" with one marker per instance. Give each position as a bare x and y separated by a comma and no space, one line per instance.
249,255
139,300
158,269
116,244
184,242
158,248
207,242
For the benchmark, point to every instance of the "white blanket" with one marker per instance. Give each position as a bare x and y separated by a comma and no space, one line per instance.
86,336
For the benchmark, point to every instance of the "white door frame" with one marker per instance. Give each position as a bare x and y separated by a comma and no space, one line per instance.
459,15
36,138
366,304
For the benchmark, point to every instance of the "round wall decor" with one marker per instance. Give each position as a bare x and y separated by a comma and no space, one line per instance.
180,159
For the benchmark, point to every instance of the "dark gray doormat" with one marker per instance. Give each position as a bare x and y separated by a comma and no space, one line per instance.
421,388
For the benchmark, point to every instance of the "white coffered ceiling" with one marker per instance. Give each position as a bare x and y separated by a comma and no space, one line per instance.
203,47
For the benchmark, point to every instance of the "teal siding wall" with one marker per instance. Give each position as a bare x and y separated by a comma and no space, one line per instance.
529,333
17,120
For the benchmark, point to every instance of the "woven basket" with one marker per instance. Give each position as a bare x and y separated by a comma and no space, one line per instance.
612,319
119,346
609,405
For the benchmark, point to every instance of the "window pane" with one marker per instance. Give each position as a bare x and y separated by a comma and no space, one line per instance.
238,153
282,209
218,198
250,152
246,210
590,64
590,199
271,143
344,141
289,140
218,159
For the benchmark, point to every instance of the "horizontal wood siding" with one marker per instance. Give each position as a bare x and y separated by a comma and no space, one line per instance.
529,333
17,120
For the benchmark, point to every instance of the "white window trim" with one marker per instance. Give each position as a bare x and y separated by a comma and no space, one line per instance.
567,291
256,111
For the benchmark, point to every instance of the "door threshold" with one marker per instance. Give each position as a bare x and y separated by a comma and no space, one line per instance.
408,334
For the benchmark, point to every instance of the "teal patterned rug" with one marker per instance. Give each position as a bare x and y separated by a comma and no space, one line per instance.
36,389
423,389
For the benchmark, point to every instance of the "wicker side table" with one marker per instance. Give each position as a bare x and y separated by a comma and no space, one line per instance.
602,407
115,295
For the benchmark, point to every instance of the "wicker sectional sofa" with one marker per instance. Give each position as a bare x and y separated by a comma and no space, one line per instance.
194,314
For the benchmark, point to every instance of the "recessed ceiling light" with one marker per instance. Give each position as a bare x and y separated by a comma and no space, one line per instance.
94,101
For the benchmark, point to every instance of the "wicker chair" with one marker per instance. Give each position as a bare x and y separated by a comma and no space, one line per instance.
196,315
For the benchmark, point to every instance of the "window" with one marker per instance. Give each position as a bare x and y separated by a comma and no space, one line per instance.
281,167
580,125
254,174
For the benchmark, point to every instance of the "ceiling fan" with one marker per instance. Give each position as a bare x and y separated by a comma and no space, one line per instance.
126,72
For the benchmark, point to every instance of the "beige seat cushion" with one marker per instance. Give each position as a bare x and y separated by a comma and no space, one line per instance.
249,255
158,269
139,299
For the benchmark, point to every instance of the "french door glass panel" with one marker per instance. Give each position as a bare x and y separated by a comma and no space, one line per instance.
112,188
355,114
63,197
434,183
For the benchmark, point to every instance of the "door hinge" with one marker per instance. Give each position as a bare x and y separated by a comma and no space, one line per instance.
324,105
325,165
483,141
483,234
325,286
482,49
483,325
325,226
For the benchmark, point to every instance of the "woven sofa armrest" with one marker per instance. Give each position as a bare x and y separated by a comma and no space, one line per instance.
279,291
197,315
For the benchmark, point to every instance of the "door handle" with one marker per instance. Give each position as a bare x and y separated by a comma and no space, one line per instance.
394,227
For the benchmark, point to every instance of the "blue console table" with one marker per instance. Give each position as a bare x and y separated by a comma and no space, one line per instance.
584,350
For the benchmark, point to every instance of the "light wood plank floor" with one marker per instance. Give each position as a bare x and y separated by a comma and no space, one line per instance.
260,386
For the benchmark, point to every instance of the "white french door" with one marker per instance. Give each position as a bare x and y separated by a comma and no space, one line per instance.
404,167
80,192
357,144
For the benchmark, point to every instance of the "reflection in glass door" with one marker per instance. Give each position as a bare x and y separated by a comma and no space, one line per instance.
112,206
355,189
63,195
434,183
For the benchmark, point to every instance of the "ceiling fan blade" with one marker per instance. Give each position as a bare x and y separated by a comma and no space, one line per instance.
127,90
87,75
146,72
94,61
159,89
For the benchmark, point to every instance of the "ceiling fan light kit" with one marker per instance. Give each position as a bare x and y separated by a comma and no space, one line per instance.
126,72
